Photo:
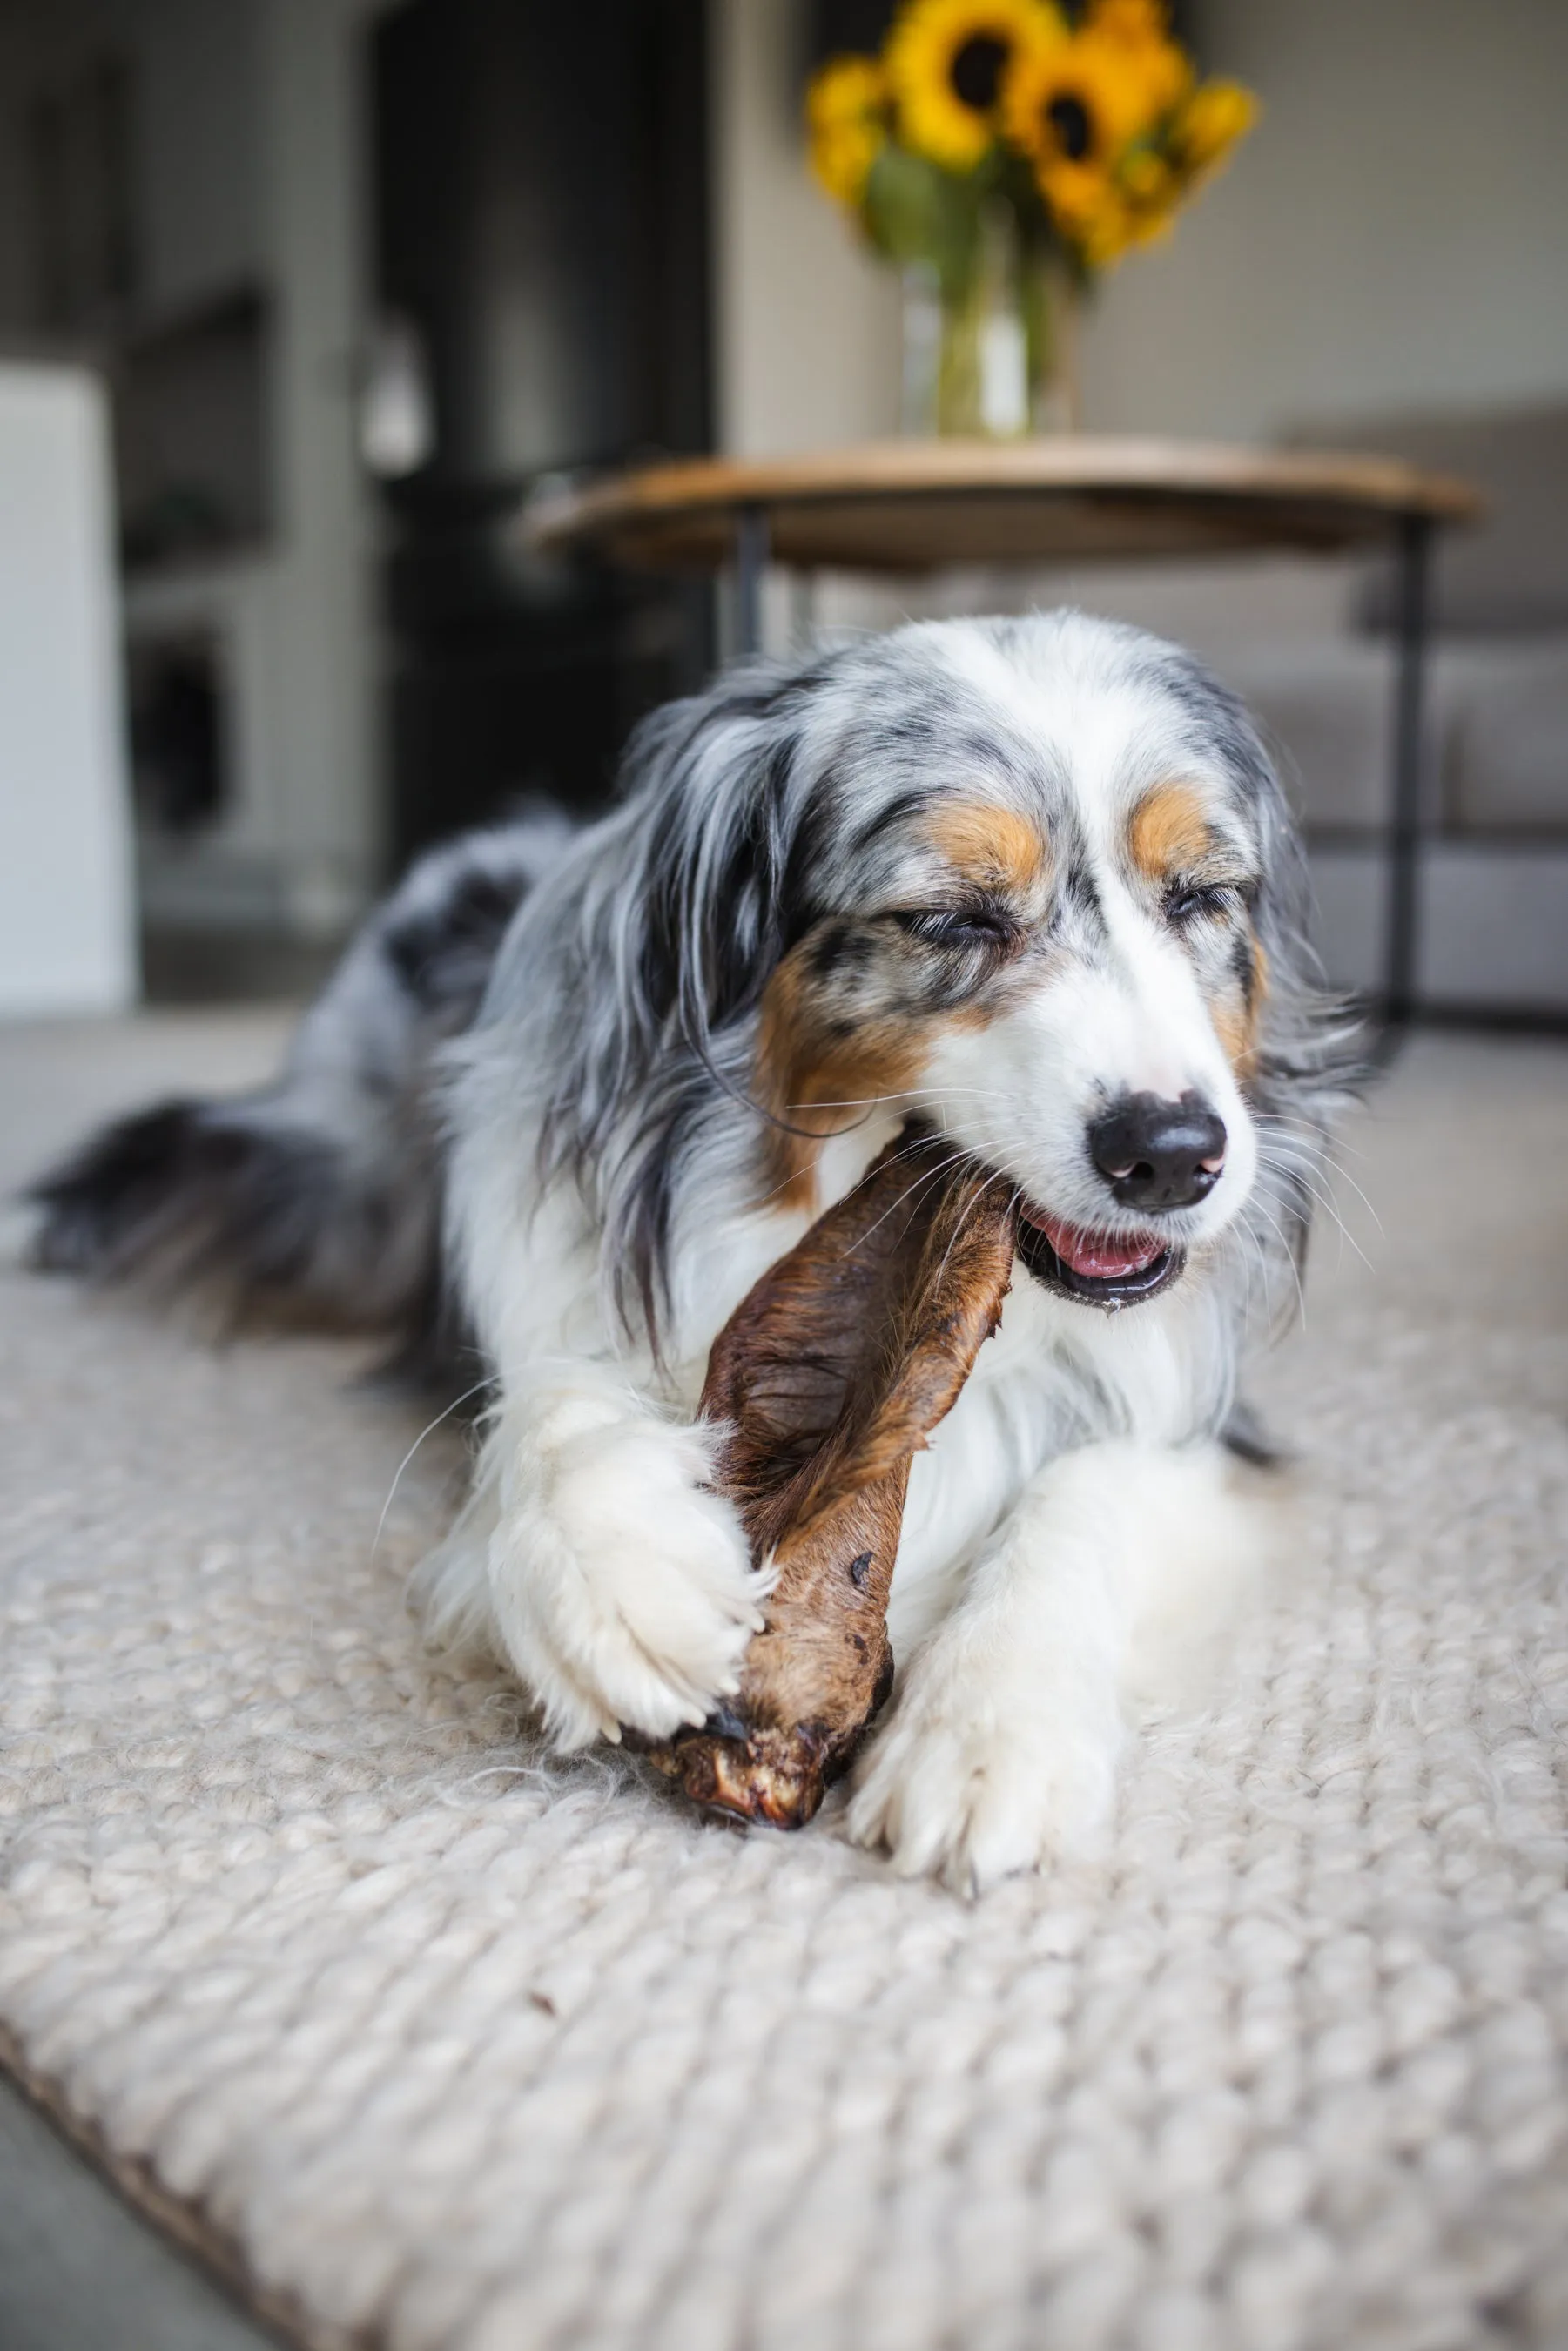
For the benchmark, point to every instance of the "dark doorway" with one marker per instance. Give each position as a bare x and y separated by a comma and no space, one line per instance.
541,263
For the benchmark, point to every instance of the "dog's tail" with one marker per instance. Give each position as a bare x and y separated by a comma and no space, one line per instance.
250,1211
318,1198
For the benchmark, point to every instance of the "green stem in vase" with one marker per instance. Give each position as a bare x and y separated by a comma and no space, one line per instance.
1052,296
959,381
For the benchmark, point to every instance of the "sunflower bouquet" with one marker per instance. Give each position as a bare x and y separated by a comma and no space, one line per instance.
1005,154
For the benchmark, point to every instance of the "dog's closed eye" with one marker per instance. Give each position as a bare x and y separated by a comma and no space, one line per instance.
1189,902
963,927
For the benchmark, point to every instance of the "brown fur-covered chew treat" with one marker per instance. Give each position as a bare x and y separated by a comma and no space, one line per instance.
829,1375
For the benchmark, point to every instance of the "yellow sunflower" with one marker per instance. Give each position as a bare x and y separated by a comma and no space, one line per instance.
947,61
1153,177
1151,191
1103,233
1074,112
1216,115
1128,20
1139,208
846,112
1140,29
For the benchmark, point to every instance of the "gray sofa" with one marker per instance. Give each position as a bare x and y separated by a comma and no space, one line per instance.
1494,895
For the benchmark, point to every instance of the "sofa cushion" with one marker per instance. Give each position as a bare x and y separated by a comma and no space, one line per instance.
1509,572
1324,710
1505,753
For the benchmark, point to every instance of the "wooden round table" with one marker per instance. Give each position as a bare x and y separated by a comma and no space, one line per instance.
920,506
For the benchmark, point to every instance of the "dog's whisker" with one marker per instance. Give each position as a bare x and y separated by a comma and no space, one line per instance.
905,1151
1300,1172
1259,1254
1302,1135
1290,1255
1244,1233
954,1159
1306,1126
429,1430
1346,1177
893,1095
969,1209
930,1176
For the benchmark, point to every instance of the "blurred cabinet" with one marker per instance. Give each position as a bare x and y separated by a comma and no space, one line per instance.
198,158
66,932
140,126
181,197
542,271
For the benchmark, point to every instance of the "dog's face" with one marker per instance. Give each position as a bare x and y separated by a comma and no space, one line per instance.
1032,916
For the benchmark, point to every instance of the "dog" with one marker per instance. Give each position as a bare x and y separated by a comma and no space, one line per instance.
574,1090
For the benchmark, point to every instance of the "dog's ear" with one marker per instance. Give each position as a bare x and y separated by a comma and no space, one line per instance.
1311,1051
1310,1054
726,801
699,886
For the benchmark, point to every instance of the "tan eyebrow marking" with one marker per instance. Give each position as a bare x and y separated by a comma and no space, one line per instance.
995,848
1167,830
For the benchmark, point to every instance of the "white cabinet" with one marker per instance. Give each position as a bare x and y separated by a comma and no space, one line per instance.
66,919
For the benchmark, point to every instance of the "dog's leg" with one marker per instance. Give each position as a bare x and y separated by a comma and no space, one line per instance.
598,1560
1003,1742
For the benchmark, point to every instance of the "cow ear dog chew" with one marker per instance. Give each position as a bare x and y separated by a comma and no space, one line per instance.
827,1379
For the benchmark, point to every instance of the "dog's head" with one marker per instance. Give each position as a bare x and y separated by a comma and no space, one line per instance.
1033,880
1037,921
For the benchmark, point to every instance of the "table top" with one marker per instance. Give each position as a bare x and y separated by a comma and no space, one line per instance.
915,505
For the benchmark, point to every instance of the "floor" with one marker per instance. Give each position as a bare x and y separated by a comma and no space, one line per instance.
78,2270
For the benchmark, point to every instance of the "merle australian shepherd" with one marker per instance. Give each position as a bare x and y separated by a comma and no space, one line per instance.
572,1091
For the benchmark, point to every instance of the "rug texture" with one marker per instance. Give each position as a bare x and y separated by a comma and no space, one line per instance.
440,2045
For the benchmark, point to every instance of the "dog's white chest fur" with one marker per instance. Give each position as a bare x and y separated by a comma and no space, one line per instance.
1054,1377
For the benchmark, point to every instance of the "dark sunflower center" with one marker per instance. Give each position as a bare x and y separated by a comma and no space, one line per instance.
976,71
1070,127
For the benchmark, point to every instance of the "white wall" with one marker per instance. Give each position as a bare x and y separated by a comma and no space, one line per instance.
302,845
250,171
66,900
1392,236
327,811
806,328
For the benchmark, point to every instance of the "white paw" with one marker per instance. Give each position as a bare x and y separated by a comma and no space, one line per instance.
971,1791
622,1588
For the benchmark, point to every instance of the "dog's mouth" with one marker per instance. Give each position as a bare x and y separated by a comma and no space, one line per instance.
1107,1269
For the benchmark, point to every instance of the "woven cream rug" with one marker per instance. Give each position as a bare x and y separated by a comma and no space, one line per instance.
435,2044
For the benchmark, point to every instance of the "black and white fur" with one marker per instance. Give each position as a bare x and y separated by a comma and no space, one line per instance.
537,1111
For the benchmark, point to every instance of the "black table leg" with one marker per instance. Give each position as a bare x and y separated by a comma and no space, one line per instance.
1401,942
751,538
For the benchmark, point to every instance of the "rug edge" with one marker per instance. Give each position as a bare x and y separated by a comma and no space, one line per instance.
182,2221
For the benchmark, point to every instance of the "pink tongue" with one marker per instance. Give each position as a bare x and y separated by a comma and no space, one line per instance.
1098,1256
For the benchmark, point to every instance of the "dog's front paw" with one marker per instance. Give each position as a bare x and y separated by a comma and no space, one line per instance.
621,1583
959,1787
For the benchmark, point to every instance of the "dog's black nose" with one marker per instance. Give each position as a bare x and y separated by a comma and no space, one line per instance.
1156,1153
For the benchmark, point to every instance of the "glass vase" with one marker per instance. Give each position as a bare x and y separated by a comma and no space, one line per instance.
991,355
